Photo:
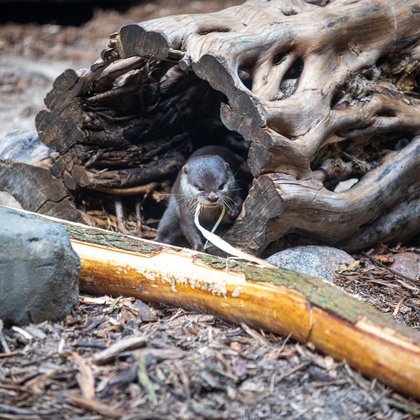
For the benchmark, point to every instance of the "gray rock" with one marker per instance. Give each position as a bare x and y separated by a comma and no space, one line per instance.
407,263
39,269
318,261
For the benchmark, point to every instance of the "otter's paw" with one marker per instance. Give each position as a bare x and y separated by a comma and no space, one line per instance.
198,247
232,212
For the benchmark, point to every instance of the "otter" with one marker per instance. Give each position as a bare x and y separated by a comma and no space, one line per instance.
208,179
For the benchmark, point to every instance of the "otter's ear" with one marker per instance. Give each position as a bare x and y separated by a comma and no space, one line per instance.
227,166
185,169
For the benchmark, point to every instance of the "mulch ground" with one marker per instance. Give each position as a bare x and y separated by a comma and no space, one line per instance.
121,358
372,280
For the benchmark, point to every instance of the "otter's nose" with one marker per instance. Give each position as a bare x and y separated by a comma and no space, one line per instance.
212,197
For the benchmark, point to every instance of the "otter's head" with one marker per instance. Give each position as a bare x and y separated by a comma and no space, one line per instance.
208,179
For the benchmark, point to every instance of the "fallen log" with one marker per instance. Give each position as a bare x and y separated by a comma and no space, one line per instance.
313,92
277,300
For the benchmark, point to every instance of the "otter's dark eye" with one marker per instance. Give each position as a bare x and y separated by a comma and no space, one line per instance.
221,186
197,187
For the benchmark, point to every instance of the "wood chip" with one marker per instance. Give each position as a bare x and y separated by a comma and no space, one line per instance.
89,300
10,354
145,312
38,383
292,371
254,334
95,406
398,307
113,351
22,332
84,377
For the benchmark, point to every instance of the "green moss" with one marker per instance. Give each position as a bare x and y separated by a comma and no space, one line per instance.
327,297
115,240
221,263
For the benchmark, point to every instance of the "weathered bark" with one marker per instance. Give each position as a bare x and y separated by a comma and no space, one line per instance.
277,300
25,174
36,190
112,138
306,85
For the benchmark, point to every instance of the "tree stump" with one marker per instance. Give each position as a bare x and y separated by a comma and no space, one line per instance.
317,92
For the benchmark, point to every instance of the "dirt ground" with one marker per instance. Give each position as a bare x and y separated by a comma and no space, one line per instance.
171,363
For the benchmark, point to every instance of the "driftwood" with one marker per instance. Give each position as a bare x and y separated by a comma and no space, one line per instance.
277,300
316,92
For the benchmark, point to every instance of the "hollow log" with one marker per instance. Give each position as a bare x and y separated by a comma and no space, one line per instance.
277,300
316,92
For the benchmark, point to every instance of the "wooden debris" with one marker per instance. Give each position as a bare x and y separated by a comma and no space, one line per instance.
144,379
382,288
85,377
22,332
94,406
291,371
380,263
119,347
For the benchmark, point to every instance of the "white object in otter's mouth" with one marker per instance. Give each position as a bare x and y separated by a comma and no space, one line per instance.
222,244
211,205
218,221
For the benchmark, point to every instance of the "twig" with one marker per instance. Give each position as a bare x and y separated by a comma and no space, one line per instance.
9,353
292,371
93,405
412,279
336,382
412,409
144,379
397,308
255,334
283,344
